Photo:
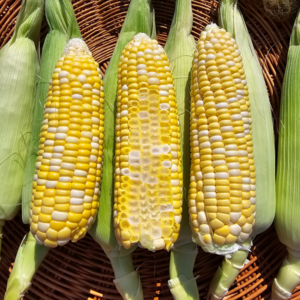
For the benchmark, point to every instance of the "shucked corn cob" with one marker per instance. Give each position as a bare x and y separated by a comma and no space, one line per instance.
222,188
148,178
69,164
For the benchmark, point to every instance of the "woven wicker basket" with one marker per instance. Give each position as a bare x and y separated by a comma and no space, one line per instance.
81,270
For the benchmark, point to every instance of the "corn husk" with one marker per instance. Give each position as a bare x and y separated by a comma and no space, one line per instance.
180,47
288,175
139,18
60,17
231,19
19,61
63,26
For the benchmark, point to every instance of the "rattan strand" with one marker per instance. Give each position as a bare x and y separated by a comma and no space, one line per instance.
71,272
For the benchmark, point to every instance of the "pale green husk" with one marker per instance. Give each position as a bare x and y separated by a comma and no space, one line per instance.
180,47
29,257
19,61
288,174
139,18
63,26
231,19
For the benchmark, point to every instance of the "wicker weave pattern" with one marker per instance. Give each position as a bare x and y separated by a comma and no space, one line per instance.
70,272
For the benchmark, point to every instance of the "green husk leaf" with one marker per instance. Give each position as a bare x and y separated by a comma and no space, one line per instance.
231,19
288,175
227,272
29,257
19,63
139,18
180,48
62,27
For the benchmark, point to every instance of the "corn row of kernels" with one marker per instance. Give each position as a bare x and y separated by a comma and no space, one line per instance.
148,175
69,166
219,199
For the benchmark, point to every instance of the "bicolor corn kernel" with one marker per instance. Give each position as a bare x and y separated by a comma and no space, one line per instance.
148,177
222,186
69,164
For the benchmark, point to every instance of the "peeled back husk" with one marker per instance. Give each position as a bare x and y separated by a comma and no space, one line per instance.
288,174
180,47
231,19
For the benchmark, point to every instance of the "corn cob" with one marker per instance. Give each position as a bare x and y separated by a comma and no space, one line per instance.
19,66
139,18
231,19
148,178
222,190
63,26
287,184
180,48
69,164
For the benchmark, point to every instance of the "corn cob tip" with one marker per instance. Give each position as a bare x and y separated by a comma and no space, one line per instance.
222,193
66,184
148,177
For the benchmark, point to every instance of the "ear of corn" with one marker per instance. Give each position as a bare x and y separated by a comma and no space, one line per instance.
68,173
263,145
180,47
148,177
288,175
63,26
18,77
139,18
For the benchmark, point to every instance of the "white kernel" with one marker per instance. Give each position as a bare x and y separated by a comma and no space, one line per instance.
247,228
63,80
148,51
41,181
208,45
167,68
240,135
230,63
80,173
204,228
153,80
135,176
96,92
164,106
95,120
237,80
140,54
88,199
209,188
87,72
55,162
134,161
76,209
141,67
166,149
152,74
234,216
54,168
87,134
222,175
77,193
231,147
59,216
65,179
235,229
62,74
60,136
175,182
171,86
246,180
231,153
56,70
243,153
156,150
52,129
210,57
202,217
43,227
164,93
226,128
219,151
216,138
96,103
136,44
134,154
57,155
77,97
253,200
174,154
198,175
142,72
62,129
236,117
219,163
201,62
167,164
164,87
72,140
68,166
81,78
234,172
244,82
203,133
125,87
51,110
205,145
221,105
232,100
233,165
49,143
95,145
93,158
174,168
209,175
